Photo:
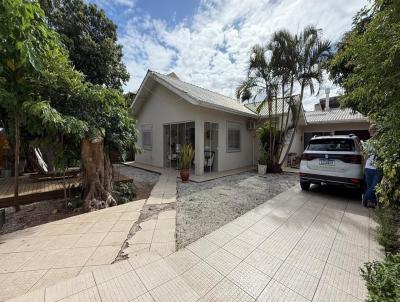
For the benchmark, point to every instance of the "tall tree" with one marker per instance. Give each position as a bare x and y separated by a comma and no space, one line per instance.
102,125
372,84
275,69
25,39
91,40
312,53
41,90
261,80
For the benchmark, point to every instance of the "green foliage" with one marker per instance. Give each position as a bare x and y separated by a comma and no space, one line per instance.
263,159
91,39
387,233
25,41
367,67
40,83
266,133
274,70
88,110
371,51
123,192
383,279
107,111
186,156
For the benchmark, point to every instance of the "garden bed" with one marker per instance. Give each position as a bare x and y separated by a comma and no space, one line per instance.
54,209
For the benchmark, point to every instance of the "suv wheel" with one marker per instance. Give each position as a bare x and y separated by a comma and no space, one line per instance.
305,186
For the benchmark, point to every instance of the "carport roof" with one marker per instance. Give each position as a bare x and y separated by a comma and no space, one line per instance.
334,116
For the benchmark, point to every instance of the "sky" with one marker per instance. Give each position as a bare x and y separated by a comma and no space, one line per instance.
207,42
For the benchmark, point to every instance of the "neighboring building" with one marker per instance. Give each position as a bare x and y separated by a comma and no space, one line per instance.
333,120
171,113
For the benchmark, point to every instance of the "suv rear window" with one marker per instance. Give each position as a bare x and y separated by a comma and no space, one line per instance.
331,144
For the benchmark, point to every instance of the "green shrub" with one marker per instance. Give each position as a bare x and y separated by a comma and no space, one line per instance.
269,156
383,279
123,192
263,159
387,232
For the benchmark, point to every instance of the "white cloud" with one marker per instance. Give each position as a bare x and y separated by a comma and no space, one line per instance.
212,49
109,3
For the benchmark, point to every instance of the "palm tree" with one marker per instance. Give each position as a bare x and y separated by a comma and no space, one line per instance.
293,59
261,81
311,52
283,61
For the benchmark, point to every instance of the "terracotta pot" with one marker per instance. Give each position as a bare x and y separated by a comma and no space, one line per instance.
184,175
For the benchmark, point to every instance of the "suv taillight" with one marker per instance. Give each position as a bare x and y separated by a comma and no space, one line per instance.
351,159
304,156
308,157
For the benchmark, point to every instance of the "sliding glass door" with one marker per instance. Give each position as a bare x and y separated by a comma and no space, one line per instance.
175,136
210,147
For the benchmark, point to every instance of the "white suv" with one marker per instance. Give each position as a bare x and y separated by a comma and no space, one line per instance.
335,159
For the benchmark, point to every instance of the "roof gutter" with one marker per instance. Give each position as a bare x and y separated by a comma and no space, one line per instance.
339,122
227,110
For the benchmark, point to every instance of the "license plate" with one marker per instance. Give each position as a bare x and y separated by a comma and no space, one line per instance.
326,162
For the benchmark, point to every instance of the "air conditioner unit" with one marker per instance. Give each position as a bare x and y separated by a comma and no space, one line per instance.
251,124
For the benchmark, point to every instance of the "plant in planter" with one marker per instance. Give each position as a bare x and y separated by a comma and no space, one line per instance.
262,162
271,145
186,157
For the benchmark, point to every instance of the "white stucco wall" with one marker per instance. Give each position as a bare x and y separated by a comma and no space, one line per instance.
163,107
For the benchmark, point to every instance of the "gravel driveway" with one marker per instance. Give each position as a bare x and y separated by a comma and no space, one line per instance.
204,207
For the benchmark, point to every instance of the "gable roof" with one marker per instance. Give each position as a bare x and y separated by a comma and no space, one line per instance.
334,116
206,98
191,93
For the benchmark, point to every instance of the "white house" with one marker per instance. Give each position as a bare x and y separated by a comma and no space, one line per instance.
171,113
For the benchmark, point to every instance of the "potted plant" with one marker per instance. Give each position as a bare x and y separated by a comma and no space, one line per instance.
262,162
186,157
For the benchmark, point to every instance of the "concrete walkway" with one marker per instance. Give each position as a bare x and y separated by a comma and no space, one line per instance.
298,246
43,255
207,176
165,190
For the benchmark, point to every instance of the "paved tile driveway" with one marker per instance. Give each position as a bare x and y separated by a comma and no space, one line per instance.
46,254
298,246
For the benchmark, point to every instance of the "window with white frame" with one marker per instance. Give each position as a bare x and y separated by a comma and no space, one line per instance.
147,137
233,137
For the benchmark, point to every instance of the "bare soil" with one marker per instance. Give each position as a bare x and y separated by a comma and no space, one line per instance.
51,210
143,181
204,207
35,214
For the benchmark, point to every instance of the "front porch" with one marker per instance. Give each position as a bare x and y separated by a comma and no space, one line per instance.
193,177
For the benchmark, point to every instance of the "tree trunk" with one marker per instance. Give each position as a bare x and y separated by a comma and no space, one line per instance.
295,124
97,179
282,138
16,160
